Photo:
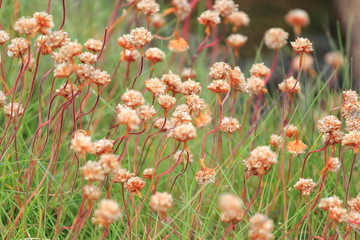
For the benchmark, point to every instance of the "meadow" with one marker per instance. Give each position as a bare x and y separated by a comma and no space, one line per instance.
141,119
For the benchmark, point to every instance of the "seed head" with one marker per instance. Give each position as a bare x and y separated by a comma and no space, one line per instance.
81,143
63,70
166,101
173,81
238,19
237,80
261,227
70,50
350,96
353,218
296,147
205,176
157,20
68,91
103,146
260,160
219,86
182,8
184,132
2,99
276,141
88,58
137,38
220,70
183,156
107,213
58,39
161,202
332,138
149,173
202,120
109,162
84,72
330,202
133,98
354,204
91,192
188,73
338,214
291,130
128,117
231,208
329,124
352,139
333,164
236,40
161,124
92,171
335,59
195,103
276,38
307,63
130,55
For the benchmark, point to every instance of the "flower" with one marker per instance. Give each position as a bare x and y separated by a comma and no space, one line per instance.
302,45
178,45
225,7
329,124
261,227
149,173
276,141
93,45
135,184
238,19
236,40
184,156
190,87
330,202
291,130
296,147
209,18
148,7
202,120
182,8
260,160
2,99
17,47
229,125
4,37
91,192
155,55
44,22
63,70
26,25
161,123
133,98
307,62
297,17
155,86
290,85
338,214
220,70
219,86
188,73
137,38
231,208
157,20
275,38
205,176
255,86
350,96
99,77
335,59
333,164
352,139
354,204
122,175
13,109
88,58
109,162
69,50
195,103
173,82
166,101
161,202
128,117
92,171
146,112
305,186
237,80
103,146
107,213
130,55
259,70
184,132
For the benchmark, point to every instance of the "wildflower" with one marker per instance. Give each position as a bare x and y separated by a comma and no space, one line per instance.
302,45
92,171
146,112
91,192
99,77
202,120
184,132
149,173
181,8
229,125
84,72
122,175
70,50
333,164
219,86
225,7
81,143
352,125
155,55
220,70
261,227
236,40
44,22
307,63
276,141
255,86
135,184
209,18
4,37
205,176
162,124
88,58
305,186
181,115
17,47
148,7
329,124
332,137
297,17
334,59
166,101
13,109
26,25
275,38
296,147
128,117
330,202
353,218
109,162
68,91
58,39
137,38
178,45
155,86
130,55
350,96
260,160
190,87
291,130
161,202
338,214
107,213
63,70
290,85
103,146
259,70
173,81
183,156
231,208
133,98
195,103
238,19
188,73
354,204
237,80
157,20
352,139
2,99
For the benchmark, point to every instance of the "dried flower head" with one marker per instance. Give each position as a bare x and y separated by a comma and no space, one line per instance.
146,112
181,115
238,19
350,96
84,72
276,141
183,156
157,20
128,117
81,143
149,173
261,227
290,85
209,18
182,8
275,38
148,7
302,45
297,17
237,80
166,101
178,45
4,37
354,204
109,162
161,123
229,125
92,171
236,40
291,130
338,214
130,55
17,47
135,184
352,125
335,59
91,192
122,176
329,124
333,164
58,39
88,58
184,132
195,103
220,70
173,81
307,63
259,70
103,146
190,87
161,202
70,50
100,77
225,7
219,86
352,139
260,160
202,120
332,138
296,147
205,176
305,186
137,38
107,213
188,73
2,99
14,109
155,55
350,110
44,22
353,218
63,70
231,208
42,45
330,202
255,86
68,90
155,86
133,98
26,25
